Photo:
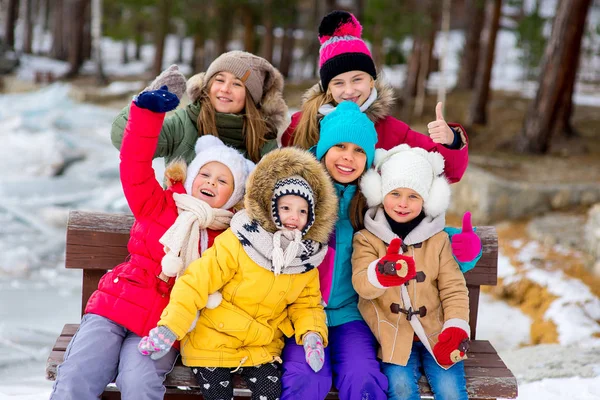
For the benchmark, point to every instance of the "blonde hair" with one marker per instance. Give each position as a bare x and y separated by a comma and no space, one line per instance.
255,129
306,133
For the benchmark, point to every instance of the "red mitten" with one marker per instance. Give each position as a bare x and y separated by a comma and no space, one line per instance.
395,269
452,346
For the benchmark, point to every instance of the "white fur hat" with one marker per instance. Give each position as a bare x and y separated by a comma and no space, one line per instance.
407,167
210,148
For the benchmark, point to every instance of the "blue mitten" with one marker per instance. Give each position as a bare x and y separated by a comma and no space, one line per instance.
159,101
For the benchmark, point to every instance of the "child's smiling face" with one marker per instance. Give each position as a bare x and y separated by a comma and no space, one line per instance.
403,204
354,86
345,162
214,184
227,93
293,212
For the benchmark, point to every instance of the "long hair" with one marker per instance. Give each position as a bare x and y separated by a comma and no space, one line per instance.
306,133
254,130
358,208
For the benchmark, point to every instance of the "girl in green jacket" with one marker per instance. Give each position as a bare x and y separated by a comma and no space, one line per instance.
238,98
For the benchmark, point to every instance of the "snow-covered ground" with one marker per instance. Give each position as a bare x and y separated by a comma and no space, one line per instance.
56,156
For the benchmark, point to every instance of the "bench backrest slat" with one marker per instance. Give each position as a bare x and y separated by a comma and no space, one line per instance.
97,242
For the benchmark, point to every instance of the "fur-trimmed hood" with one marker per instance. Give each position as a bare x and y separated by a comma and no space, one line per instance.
272,105
283,163
175,172
378,110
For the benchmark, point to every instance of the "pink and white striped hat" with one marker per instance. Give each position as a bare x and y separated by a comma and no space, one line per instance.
342,49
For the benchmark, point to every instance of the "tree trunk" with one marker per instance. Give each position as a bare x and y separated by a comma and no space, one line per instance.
12,14
77,11
249,28
60,31
359,6
549,113
198,57
160,35
470,55
96,32
28,26
377,46
86,46
330,5
268,40
481,94
139,34
412,70
181,32
287,47
224,29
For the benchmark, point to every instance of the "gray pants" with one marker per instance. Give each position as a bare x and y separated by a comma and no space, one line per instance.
102,352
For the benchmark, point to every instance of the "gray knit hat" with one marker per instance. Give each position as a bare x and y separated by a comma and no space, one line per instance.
172,78
256,72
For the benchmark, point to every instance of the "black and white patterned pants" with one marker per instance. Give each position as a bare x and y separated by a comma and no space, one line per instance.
217,383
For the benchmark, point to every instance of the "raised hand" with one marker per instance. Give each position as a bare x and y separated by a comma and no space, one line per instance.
314,350
395,269
439,131
159,101
158,342
452,346
172,78
466,245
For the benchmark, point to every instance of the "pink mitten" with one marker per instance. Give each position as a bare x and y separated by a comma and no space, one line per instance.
466,245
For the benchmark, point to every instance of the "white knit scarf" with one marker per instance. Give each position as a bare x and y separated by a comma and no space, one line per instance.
282,252
182,238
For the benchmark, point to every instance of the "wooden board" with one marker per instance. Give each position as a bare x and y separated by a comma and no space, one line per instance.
487,375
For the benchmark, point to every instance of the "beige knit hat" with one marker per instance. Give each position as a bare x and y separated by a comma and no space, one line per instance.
256,72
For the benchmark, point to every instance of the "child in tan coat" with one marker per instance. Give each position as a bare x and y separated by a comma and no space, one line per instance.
412,294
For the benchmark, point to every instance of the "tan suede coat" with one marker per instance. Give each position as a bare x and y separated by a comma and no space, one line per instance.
443,292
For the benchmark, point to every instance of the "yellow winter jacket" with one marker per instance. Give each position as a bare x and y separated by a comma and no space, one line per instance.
257,310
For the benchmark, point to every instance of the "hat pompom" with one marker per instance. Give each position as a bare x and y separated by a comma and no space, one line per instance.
214,299
439,197
171,265
370,186
339,23
207,141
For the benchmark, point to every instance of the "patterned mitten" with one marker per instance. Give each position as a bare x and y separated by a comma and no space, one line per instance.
395,269
158,101
158,342
313,350
452,346
172,78
466,245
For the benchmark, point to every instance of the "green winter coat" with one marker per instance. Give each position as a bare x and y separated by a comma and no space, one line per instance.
180,130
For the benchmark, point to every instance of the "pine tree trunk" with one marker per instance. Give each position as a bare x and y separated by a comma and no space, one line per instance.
96,33
77,11
249,28
224,29
470,55
481,94
268,40
12,14
198,57
549,113
28,26
60,31
287,47
139,34
163,19
377,46
412,70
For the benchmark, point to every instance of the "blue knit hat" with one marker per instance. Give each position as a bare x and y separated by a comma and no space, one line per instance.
347,124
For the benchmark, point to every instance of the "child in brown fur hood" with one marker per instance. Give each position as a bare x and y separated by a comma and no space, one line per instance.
265,265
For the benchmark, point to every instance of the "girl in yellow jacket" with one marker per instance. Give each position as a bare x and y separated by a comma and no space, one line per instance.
265,266
412,293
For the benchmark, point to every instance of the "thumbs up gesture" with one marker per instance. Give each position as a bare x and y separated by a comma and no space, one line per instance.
439,131
466,245
395,269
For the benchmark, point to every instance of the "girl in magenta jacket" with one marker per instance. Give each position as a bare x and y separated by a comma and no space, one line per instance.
348,74
131,297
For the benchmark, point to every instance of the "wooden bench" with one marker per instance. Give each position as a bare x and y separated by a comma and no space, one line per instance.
97,242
